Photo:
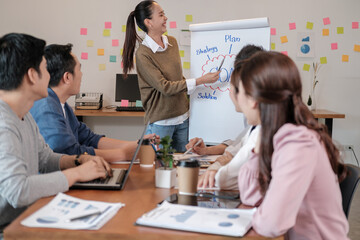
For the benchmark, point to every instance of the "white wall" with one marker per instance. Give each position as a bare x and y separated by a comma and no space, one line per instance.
60,22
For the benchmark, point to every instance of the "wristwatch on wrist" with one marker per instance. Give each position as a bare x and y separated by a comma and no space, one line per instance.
76,161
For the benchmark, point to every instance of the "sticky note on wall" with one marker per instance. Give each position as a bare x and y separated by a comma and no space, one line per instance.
83,31
345,58
123,28
102,67
186,65
334,46
273,31
115,42
325,32
84,55
355,25
284,39
357,48
107,25
292,26
106,32
326,21
188,18
323,60
100,52
309,25
182,53
172,24
306,67
112,58
90,43
340,30
272,46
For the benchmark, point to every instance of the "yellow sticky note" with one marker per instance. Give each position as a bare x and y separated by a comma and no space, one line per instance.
345,58
284,39
102,67
325,32
306,67
90,43
106,32
357,48
186,65
188,18
272,46
309,25
323,60
123,29
340,30
182,53
100,52
121,51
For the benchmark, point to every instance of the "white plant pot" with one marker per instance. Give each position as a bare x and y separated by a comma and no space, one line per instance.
165,178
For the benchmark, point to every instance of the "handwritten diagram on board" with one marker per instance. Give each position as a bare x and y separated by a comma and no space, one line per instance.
212,113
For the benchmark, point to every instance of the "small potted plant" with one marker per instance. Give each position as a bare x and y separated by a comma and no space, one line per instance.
165,176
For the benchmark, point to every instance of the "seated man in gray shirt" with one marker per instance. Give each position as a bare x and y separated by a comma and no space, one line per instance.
23,152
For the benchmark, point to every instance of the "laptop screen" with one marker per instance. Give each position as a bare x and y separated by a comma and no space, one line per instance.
135,154
127,89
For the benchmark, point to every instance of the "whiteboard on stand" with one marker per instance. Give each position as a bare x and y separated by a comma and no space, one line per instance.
212,113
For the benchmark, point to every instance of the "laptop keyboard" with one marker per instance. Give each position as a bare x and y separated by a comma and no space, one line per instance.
130,109
108,179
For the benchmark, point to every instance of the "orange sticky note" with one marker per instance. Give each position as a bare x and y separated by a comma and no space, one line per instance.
186,65
106,32
100,52
172,24
107,25
123,28
325,32
345,58
182,53
90,43
188,18
272,31
83,31
284,39
272,46
84,55
357,48
102,67
115,42
306,67
124,103
309,25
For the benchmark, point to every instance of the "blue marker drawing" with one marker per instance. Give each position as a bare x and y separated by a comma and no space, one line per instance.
307,39
230,48
208,56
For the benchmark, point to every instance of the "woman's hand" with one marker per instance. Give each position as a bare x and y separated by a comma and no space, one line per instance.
207,179
208,78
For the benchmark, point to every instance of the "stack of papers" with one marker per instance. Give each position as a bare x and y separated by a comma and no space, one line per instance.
229,222
68,212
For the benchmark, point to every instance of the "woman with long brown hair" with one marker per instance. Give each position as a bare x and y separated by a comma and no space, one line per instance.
162,85
294,171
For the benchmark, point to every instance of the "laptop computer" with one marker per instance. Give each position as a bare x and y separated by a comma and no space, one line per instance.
119,178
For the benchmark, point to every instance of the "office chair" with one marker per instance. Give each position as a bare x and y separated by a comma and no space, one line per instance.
348,187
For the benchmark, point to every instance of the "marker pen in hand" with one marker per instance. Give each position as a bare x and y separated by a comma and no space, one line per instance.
196,144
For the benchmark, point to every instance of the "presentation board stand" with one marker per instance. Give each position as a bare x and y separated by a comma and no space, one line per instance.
212,114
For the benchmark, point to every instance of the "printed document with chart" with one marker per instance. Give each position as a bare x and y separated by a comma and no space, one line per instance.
68,212
230,222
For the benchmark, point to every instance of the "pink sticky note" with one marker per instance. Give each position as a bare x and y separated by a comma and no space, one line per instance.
122,64
124,103
355,25
115,42
326,21
108,25
292,26
273,31
334,46
285,53
84,55
172,24
83,31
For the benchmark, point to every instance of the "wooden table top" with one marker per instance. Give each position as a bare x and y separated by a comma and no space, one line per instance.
139,196
319,113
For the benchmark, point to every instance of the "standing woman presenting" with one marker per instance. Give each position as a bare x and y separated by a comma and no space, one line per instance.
162,85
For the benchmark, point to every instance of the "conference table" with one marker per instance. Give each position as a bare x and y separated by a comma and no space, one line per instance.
139,197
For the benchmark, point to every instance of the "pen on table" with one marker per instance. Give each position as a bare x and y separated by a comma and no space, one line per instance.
197,143
83,216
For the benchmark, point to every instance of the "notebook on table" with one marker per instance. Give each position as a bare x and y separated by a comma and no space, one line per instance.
119,178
